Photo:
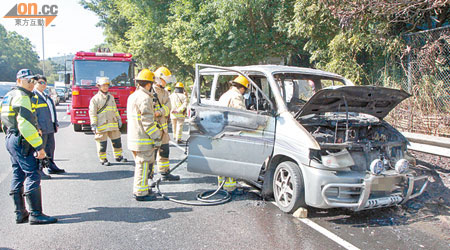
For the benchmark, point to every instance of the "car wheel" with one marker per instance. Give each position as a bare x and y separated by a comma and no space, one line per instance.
288,187
77,127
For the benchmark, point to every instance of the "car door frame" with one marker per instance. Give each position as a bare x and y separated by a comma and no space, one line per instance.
227,141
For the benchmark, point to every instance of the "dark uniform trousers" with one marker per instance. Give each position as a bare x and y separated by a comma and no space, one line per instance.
25,167
49,141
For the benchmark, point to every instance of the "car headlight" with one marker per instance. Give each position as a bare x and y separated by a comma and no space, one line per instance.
402,166
377,167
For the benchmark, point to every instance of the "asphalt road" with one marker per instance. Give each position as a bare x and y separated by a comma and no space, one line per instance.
96,210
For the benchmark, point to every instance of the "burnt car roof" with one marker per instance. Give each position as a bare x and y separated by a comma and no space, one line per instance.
372,100
273,69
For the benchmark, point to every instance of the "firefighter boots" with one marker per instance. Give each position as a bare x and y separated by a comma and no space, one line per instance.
105,162
19,204
170,177
34,201
121,159
149,197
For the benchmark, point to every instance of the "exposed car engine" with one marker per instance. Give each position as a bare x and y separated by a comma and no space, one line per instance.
363,137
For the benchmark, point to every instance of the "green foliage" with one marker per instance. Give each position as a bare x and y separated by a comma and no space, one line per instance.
338,36
16,52
230,32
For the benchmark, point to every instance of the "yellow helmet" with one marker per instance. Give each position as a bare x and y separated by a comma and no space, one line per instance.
168,88
241,80
146,75
179,85
165,74
103,80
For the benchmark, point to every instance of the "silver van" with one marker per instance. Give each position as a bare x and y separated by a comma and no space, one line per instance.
307,138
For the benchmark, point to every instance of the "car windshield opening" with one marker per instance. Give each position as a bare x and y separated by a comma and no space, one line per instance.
297,89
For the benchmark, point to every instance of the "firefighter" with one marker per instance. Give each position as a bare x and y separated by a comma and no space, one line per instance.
105,122
233,98
24,145
178,103
143,134
162,112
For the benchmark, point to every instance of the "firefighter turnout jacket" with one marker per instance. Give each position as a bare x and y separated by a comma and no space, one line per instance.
143,131
108,118
18,116
178,103
163,106
233,99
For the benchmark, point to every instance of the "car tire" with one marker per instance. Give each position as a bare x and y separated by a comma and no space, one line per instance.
288,187
77,127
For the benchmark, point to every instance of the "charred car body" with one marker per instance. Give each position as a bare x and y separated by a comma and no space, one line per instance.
308,137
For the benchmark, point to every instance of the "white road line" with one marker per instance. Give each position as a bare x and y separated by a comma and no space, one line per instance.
326,233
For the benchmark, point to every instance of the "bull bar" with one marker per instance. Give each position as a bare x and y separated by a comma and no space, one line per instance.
366,186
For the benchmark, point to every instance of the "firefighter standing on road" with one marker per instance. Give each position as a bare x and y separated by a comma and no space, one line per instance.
178,102
162,112
22,142
105,122
143,134
233,98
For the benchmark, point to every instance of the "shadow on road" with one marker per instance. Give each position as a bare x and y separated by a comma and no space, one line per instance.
96,176
122,214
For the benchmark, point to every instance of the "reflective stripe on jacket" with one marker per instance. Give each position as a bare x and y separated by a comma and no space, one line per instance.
142,128
178,102
107,119
17,114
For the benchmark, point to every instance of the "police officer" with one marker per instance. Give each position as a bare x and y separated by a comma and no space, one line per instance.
47,122
24,145
143,134
162,112
105,122
233,98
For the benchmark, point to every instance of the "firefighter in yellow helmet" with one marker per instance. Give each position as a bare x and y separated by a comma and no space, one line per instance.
163,76
178,102
143,134
105,121
233,98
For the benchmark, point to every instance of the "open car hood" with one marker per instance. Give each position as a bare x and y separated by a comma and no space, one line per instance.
376,101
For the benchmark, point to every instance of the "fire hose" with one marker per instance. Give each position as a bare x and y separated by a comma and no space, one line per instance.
204,198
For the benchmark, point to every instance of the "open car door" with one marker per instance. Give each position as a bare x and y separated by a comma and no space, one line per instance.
227,141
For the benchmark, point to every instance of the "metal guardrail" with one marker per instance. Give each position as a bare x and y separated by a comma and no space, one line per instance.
429,144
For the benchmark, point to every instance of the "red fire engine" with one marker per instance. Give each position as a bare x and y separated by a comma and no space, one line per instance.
87,68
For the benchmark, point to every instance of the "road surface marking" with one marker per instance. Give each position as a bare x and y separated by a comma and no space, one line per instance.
328,234
325,232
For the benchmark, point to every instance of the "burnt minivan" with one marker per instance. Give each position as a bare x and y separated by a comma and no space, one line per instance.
307,138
